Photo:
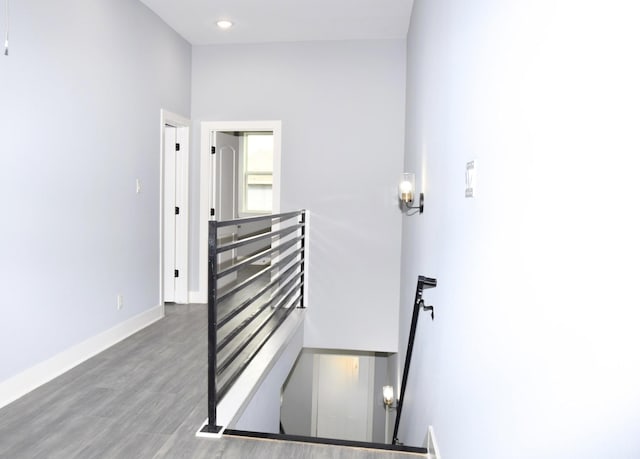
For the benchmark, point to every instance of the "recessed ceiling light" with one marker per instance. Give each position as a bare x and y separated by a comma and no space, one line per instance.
224,24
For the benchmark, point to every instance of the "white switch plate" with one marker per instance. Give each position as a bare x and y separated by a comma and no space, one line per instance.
470,179
119,302
138,186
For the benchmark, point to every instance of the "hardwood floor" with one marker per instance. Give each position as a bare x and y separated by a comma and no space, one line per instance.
145,397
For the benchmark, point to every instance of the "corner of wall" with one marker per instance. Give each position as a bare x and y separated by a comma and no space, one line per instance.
32,378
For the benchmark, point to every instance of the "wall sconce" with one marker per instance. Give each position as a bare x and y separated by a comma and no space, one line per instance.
6,33
387,399
387,396
406,192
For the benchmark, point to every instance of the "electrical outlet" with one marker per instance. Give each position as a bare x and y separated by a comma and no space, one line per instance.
119,302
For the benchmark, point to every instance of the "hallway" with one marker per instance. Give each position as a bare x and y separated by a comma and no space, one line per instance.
143,398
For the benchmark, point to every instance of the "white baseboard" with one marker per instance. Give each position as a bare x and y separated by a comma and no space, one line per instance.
197,296
32,378
201,434
432,445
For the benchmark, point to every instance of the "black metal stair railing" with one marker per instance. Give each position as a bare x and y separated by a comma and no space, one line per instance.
418,303
265,287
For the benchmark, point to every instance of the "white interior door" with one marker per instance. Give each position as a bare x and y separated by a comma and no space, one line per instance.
224,194
343,401
175,212
227,148
169,199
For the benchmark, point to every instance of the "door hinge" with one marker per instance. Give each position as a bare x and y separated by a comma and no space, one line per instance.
177,210
177,147
213,212
176,273
213,150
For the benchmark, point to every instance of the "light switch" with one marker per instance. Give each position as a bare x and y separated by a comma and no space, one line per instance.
470,180
138,186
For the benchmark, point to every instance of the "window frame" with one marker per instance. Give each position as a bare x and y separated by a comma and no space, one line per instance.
243,174
208,182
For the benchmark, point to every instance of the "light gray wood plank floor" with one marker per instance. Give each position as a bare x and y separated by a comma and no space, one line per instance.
145,397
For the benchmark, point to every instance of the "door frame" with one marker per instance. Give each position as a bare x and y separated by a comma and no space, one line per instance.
182,126
208,177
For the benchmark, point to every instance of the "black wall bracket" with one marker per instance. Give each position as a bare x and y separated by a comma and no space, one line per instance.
427,308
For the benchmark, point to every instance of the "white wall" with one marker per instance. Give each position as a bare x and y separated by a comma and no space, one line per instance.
534,348
297,396
82,91
381,379
296,410
342,111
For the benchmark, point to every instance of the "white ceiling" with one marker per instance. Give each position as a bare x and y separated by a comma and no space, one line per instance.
258,21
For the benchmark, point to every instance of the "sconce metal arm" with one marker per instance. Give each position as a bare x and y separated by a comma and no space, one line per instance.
419,207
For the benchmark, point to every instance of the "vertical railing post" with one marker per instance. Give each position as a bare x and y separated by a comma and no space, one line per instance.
212,332
303,218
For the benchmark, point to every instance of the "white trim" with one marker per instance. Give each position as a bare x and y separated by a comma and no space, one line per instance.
32,378
169,222
232,406
183,127
196,296
433,452
241,178
206,127
182,231
371,390
315,382
201,434
177,120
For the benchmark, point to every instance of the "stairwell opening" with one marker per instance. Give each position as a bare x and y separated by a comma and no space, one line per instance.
331,397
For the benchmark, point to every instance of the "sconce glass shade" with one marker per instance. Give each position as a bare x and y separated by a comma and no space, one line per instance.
387,395
407,187
406,194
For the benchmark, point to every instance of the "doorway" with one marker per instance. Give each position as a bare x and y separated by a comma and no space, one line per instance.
175,208
342,400
235,182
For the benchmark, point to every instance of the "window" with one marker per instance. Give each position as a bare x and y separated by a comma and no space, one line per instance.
257,172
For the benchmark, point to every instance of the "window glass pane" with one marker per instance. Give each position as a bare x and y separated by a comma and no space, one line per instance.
259,148
259,179
257,176
259,198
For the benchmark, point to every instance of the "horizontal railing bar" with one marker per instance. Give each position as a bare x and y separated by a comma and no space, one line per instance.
243,263
243,366
286,297
245,323
249,240
238,309
240,221
238,350
259,274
